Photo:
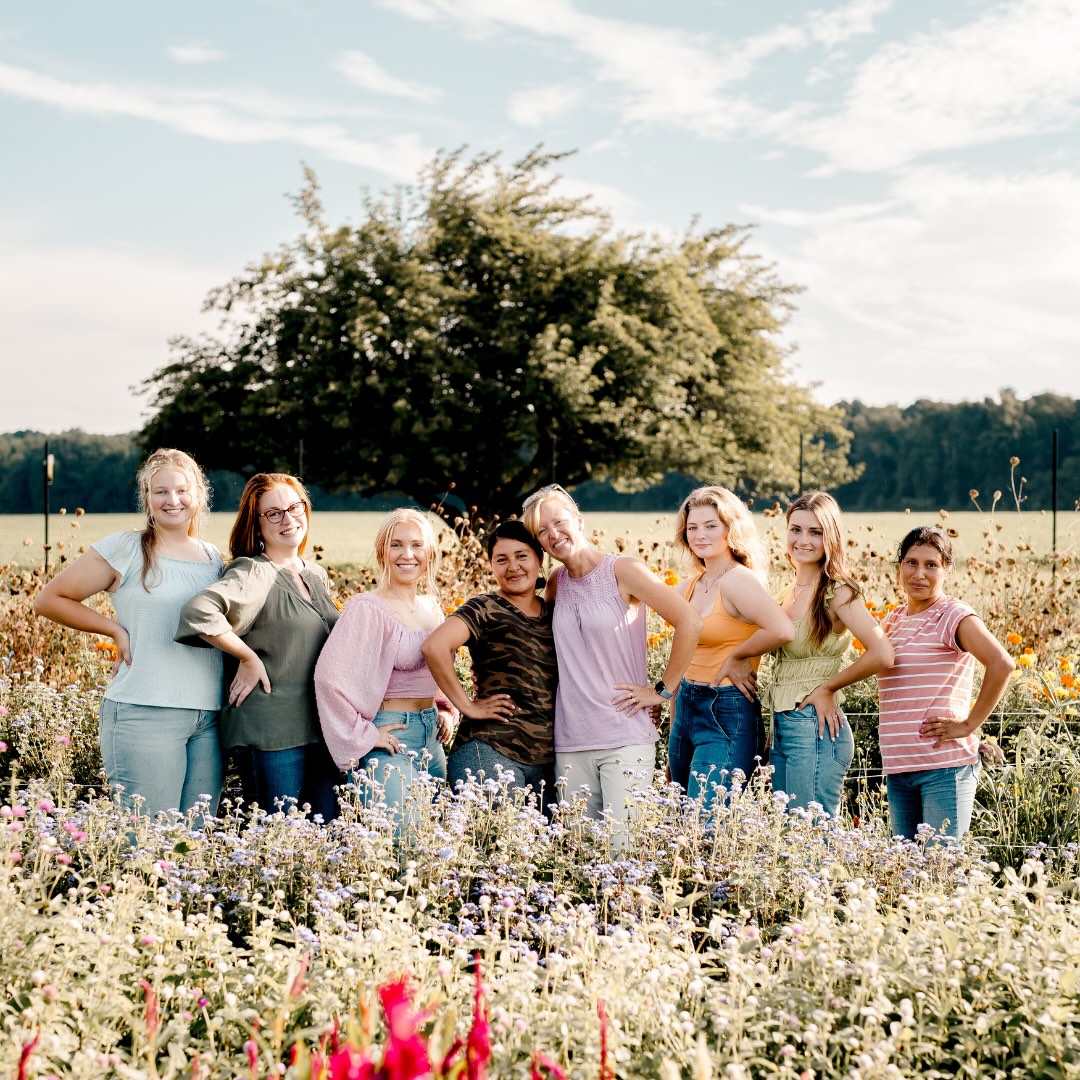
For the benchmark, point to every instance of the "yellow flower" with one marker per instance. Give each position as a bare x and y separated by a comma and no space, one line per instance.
1026,660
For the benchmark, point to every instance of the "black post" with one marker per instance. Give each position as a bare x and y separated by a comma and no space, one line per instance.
799,492
1053,504
47,476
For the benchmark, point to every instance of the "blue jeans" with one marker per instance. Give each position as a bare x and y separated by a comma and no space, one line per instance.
932,797
396,771
171,758
715,731
477,756
304,773
806,767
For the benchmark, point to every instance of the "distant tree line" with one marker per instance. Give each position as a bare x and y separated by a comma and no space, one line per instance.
924,456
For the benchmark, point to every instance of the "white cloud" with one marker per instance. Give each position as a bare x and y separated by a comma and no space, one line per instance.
224,116
76,360
363,71
195,54
531,108
1011,72
834,27
956,277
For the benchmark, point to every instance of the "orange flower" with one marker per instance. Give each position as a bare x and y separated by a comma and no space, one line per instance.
1068,681
858,645
1013,638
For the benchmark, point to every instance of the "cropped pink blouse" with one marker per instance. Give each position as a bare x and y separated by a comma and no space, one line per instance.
370,655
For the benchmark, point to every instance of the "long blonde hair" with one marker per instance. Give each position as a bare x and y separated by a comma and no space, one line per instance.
386,534
742,537
834,569
167,458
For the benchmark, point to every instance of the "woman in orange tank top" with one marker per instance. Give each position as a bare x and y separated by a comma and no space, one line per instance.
716,726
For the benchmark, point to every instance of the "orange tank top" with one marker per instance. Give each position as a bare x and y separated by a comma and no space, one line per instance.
719,637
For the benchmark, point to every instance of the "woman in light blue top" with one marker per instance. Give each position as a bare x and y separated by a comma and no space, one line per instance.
159,715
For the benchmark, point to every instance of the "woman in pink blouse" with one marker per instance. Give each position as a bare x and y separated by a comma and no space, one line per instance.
380,710
928,722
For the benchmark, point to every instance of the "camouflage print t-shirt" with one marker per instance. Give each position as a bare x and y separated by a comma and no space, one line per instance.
512,654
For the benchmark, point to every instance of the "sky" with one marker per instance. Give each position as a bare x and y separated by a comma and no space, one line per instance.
912,165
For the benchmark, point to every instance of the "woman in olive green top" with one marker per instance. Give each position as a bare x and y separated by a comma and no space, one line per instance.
270,614
804,693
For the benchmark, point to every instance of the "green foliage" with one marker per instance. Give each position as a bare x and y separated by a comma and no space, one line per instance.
483,330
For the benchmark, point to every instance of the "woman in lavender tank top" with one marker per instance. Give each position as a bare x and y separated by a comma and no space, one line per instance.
604,733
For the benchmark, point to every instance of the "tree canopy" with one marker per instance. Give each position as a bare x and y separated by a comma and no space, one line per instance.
482,330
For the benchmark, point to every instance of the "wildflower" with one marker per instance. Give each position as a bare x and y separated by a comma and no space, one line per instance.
406,1056
1013,638
1027,660
478,1046
3,710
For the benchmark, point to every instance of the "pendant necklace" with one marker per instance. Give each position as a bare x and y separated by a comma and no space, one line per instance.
711,584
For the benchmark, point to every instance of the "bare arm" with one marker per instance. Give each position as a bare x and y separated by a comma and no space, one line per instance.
973,637
743,590
439,648
638,582
851,611
61,600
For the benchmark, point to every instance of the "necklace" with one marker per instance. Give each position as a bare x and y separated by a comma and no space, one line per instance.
797,587
711,584
392,596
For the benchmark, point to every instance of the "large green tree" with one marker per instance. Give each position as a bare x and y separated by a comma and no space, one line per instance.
481,330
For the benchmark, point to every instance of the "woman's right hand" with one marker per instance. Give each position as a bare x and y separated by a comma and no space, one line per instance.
387,740
741,674
249,674
495,707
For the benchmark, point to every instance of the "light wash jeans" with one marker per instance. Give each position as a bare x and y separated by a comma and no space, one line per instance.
932,797
169,757
477,756
715,731
809,768
396,772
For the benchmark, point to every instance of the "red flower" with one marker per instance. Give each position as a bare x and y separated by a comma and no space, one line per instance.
406,1056
478,1047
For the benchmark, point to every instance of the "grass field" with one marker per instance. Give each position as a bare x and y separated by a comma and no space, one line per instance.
348,538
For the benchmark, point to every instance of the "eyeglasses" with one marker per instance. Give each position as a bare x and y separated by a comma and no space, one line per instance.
276,515
542,493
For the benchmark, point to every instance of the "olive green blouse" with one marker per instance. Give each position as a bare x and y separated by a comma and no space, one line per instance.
262,604
800,666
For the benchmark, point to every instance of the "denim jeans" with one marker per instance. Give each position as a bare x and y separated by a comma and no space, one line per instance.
304,773
477,756
171,758
806,767
715,731
420,751
932,797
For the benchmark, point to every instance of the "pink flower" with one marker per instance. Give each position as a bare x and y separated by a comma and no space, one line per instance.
46,807
3,745
63,859
478,1045
406,1056
3,712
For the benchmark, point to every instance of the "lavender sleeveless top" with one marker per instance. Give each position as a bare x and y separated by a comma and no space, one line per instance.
600,642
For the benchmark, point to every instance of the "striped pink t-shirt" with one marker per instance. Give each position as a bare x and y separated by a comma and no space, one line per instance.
932,676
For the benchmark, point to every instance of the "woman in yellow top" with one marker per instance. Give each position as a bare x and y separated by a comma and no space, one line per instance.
716,726
804,694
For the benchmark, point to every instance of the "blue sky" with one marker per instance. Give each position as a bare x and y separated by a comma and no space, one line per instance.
915,166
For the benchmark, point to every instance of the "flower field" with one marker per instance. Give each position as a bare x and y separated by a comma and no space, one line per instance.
490,943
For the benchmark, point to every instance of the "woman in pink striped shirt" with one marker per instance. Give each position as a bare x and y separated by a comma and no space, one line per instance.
928,723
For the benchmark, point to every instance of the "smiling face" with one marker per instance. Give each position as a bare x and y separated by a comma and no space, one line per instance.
805,539
172,499
922,576
706,534
406,557
282,538
515,567
560,529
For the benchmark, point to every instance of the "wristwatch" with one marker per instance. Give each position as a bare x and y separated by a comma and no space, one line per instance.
662,690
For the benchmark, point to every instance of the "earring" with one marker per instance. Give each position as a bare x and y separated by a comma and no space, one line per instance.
261,546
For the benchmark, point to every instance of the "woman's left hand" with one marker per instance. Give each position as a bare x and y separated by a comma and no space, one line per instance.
445,724
742,675
828,712
944,728
635,698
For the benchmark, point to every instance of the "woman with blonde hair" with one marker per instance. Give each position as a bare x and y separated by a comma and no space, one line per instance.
159,714
271,614
379,705
716,728
804,694
604,733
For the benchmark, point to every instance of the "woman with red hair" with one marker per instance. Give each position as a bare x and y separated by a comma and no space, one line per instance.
270,614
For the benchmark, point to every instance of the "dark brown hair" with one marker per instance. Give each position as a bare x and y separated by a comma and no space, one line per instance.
245,537
933,536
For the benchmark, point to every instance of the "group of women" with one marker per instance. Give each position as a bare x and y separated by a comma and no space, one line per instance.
256,659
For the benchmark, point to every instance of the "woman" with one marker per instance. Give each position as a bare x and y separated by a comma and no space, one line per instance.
159,714
604,733
376,695
717,727
929,749
509,725
271,614
808,676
